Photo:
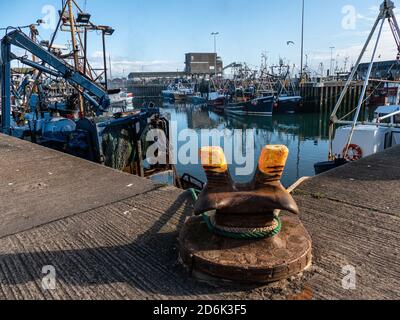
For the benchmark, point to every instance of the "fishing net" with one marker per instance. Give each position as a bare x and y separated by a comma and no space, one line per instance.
118,147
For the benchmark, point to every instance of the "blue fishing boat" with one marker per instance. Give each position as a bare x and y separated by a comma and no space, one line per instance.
198,99
262,106
288,104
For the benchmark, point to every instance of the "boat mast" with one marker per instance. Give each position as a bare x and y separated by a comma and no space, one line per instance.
364,90
75,50
302,42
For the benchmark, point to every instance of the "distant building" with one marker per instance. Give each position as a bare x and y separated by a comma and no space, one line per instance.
196,64
203,63
156,75
381,70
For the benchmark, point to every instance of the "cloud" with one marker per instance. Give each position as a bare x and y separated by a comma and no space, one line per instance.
366,18
387,49
122,66
97,55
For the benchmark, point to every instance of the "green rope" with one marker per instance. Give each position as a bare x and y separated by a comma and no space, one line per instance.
245,235
238,236
194,193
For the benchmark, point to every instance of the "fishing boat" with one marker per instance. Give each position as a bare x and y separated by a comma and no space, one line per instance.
216,99
121,101
197,99
175,94
288,100
69,107
383,94
180,90
246,99
326,166
288,104
367,139
355,139
262,106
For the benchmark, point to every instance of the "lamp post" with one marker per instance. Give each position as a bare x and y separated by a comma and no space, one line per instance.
106,31
215,34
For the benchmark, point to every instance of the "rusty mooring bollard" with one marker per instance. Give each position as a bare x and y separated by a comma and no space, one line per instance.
236,234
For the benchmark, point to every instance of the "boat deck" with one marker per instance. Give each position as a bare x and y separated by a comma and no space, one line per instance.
110,235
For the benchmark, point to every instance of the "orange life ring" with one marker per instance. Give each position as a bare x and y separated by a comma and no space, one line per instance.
354,153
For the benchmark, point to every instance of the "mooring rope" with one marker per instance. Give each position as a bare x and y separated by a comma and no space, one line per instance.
242,233
245,233
238,233
194,193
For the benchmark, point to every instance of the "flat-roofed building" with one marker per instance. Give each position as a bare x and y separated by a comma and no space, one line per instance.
203,63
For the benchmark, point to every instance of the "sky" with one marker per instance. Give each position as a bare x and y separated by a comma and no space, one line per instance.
154,35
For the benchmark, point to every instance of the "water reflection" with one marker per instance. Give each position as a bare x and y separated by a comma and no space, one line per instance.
305,135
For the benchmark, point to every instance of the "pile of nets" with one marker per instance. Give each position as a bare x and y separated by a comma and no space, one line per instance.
119,147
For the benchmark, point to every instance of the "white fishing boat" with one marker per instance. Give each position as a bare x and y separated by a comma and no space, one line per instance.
180,90
368,139
121,101
351,140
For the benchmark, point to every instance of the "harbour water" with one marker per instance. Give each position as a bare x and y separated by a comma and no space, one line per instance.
305,135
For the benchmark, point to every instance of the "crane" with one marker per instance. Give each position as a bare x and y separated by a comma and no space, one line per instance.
91,138
52,65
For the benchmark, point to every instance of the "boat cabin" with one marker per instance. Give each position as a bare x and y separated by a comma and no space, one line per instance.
371,138
389,114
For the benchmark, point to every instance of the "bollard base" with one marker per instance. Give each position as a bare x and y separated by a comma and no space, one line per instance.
246,261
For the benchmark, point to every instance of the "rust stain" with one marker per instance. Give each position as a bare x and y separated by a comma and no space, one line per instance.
306,295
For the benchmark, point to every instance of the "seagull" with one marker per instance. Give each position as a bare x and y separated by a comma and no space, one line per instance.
290,42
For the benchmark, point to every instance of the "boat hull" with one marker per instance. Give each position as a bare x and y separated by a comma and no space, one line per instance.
260,107
179,97
216,102
198,100
323,167
220,109
286,105
174,96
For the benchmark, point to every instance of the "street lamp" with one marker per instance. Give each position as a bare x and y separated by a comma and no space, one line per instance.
83,18
215,34
106,31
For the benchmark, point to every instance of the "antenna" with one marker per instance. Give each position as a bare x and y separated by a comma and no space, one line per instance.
346,61
302,41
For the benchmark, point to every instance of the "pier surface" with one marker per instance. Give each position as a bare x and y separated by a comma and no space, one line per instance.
110,235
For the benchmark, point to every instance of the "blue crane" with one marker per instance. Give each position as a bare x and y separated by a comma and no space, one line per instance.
52,65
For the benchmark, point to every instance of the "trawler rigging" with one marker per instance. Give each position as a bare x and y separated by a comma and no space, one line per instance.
61,102
357,139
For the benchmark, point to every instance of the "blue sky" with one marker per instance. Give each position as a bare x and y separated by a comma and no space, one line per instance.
155,34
